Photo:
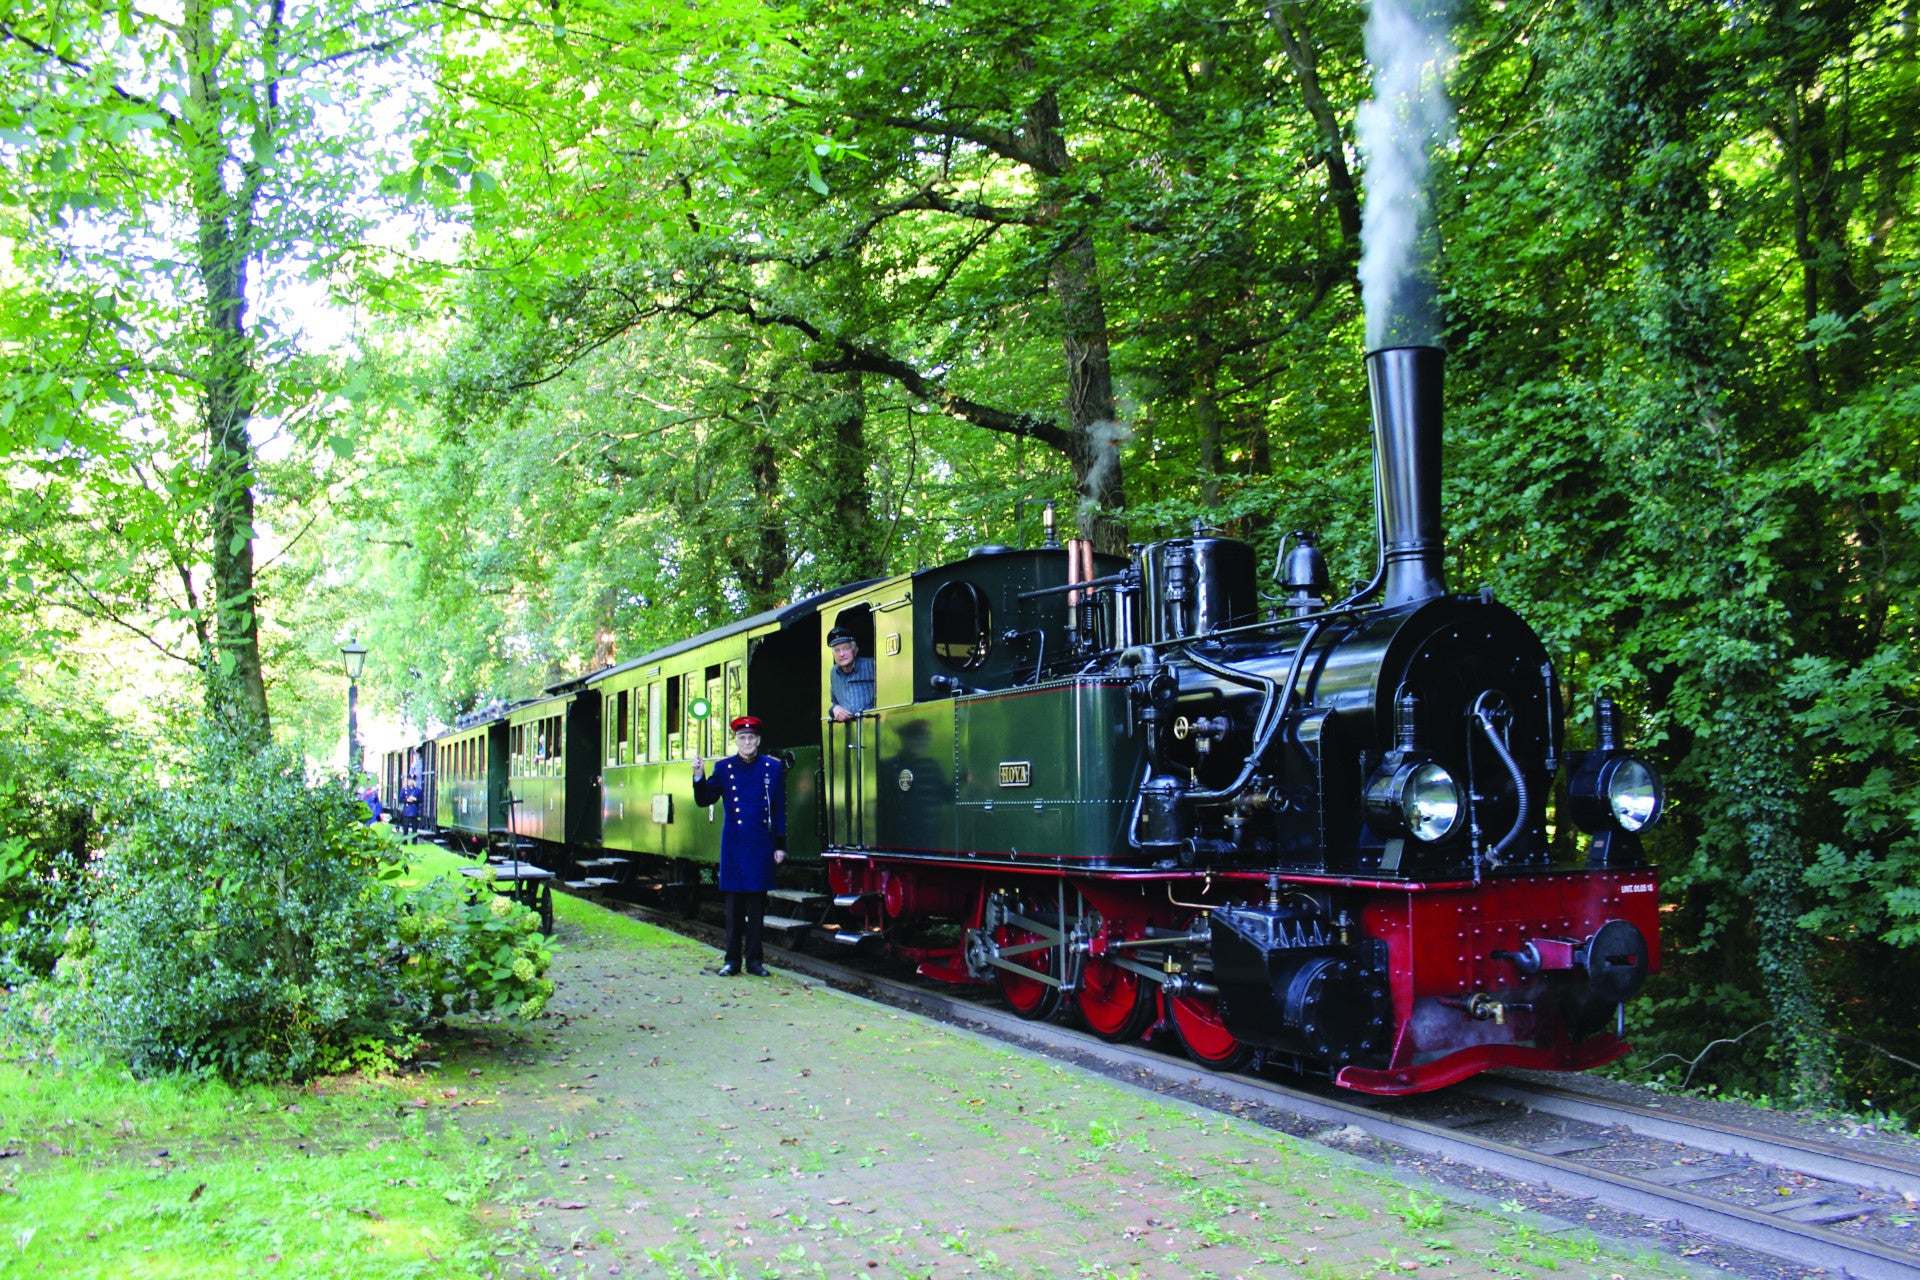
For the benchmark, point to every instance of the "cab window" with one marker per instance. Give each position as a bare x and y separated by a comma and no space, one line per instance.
962,625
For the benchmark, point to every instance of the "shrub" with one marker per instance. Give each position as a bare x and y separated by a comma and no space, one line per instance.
241,924
53,766
468,952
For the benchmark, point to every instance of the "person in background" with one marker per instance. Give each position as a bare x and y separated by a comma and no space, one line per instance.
852,676
371,798
752,789
411,794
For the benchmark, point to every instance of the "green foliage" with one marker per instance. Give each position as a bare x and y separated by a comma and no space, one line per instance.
241,926
53,767
238,927
474,952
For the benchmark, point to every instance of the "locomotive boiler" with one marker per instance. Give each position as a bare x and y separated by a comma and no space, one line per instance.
1281,825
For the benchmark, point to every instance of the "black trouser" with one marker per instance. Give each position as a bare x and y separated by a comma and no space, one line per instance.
745,914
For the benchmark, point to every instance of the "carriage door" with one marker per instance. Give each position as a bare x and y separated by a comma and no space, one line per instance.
852,749
851,756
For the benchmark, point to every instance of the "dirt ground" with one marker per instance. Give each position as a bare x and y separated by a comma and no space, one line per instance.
663,1121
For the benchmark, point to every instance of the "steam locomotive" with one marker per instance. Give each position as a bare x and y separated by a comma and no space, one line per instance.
1312,833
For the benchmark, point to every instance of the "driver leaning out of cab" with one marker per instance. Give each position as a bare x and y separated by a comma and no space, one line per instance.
852,676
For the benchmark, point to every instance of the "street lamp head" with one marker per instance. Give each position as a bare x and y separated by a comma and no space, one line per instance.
354,655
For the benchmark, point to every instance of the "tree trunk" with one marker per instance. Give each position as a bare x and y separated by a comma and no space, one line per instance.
1073,277
853,545
1206,416
224,223
758,554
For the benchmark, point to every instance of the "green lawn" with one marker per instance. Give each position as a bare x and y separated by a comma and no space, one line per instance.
105,1175
108,1176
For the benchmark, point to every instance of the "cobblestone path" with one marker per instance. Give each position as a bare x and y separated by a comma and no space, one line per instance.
667,1122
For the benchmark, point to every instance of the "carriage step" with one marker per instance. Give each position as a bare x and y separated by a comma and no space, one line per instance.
526,871
805,899
786,924
848,901
600,882
603,862
852,937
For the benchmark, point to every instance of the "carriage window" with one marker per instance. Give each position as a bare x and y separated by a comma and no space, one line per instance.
962,625
654,722
673,718
619,730
716,723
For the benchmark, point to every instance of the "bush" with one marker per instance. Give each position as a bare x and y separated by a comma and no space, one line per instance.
241,924
53,766
474,953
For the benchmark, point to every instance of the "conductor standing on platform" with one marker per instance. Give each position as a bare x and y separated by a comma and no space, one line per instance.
753,840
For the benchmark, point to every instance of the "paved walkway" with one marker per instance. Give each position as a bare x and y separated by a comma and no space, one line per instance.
667,1122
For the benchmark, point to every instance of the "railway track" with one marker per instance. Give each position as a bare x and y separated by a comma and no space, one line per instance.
1844,1211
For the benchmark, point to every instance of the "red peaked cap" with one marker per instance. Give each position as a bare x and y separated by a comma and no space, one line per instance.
747,724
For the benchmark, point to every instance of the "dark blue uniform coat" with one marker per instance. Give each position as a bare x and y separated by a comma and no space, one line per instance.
755,806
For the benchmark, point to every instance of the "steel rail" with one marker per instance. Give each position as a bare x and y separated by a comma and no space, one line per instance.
1733,1224
1826,1160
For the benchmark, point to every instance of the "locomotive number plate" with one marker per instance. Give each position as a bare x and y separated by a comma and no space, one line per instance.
1016,773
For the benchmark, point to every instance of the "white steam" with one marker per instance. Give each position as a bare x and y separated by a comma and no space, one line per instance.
1408,46
1105,439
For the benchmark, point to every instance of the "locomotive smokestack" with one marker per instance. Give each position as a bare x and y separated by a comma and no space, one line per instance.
1405,383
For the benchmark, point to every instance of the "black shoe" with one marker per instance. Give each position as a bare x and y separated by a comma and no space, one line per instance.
729,970
757,970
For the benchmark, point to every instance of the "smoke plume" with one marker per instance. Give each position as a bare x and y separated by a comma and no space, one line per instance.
1408,46
1105,439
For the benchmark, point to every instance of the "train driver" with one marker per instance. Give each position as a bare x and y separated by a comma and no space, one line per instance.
752,790
852,676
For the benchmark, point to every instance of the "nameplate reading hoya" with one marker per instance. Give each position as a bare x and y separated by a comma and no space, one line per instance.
1016,773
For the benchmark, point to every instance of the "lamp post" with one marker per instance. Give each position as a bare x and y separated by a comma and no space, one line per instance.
353,655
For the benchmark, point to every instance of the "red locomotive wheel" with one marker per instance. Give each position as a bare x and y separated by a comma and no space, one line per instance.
1118,1005
1030,996
1208,1042
1031,999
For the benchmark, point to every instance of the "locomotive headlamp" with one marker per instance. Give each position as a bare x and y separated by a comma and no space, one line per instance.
1410,795
1418,797
1634,794
1612,794
1609,789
